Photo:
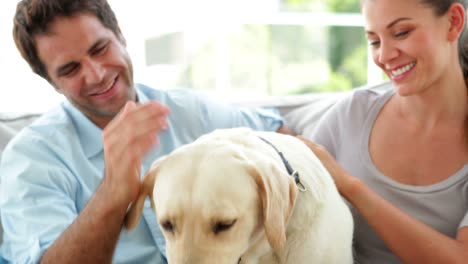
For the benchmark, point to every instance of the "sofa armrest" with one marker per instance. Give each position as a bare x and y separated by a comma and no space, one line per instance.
11,124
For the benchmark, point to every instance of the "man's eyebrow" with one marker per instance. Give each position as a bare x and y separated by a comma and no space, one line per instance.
97,44
391,24
64,68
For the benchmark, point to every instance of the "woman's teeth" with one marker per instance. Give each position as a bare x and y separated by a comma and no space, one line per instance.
402,70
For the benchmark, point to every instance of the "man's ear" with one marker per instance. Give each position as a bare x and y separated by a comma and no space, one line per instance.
456,15
121,37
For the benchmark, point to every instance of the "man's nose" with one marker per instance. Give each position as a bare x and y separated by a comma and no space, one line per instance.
93,71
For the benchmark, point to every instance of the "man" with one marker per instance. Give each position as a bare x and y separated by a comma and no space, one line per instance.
68,179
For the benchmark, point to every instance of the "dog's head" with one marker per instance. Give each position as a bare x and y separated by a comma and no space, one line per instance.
216,200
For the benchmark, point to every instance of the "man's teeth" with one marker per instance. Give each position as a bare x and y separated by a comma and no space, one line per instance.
403,69
106,90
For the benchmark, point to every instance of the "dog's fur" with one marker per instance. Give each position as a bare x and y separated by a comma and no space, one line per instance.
227,198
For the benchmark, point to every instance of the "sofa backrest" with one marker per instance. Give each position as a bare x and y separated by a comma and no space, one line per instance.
10,125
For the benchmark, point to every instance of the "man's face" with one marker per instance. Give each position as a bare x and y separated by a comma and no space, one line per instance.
89,65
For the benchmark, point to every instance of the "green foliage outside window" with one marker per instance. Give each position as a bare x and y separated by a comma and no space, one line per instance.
289,59
347,53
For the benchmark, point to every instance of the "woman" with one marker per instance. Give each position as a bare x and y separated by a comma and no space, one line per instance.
400,156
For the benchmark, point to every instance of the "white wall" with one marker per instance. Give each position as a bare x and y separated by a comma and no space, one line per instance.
20,89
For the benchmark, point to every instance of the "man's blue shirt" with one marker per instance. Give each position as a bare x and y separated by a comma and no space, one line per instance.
51,169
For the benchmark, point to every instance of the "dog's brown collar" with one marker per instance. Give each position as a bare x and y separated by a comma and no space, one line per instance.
290,170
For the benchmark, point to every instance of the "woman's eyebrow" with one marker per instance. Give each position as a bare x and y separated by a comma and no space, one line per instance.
391,24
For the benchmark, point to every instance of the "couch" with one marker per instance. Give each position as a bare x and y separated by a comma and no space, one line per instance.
300,112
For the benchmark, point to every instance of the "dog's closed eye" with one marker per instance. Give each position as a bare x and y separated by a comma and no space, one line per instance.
167,226
221,226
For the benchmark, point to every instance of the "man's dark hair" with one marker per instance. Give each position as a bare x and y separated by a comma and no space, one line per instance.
33,17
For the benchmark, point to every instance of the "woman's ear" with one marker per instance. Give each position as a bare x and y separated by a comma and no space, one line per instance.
456,15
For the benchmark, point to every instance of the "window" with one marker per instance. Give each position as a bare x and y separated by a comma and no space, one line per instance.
272,47
228,48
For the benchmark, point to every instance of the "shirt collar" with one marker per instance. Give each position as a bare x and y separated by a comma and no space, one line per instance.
89,134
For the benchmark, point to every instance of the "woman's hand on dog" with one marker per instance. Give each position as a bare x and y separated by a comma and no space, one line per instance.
343,180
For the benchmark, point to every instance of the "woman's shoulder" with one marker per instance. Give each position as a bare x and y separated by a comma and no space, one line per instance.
355,108
370,95
363,100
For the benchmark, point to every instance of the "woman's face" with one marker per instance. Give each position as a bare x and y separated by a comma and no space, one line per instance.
409,42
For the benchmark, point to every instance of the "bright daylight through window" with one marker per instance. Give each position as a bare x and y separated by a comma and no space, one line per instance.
226,48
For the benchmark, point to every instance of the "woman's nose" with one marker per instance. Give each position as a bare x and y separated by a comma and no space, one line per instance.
386,52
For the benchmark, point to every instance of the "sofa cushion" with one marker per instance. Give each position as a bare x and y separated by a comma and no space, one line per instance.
304,118
11,124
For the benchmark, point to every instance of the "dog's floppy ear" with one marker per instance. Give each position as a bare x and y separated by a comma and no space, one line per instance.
146,189
278,194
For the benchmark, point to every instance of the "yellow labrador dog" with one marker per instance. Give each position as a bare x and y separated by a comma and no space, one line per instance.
229,198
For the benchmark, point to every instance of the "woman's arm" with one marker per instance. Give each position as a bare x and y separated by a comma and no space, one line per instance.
408,238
